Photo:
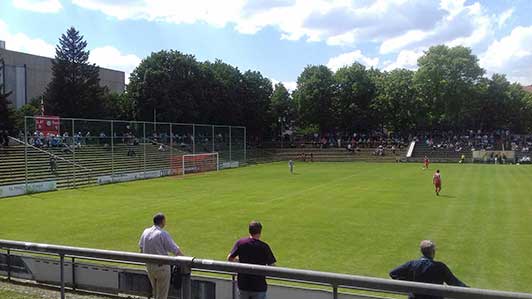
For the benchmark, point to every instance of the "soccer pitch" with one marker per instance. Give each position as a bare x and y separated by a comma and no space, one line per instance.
357,218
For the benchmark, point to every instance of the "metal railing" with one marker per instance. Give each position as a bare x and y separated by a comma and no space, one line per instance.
110,139
74,164
187,264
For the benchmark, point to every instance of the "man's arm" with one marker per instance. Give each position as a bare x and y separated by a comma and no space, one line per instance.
450,279
271,258
141,243
402,272
171,246
233,255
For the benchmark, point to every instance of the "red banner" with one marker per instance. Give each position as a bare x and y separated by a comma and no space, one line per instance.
47,124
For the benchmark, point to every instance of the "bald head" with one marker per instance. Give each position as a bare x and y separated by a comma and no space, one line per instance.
428,248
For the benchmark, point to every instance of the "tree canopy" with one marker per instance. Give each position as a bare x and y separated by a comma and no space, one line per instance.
449,90
74,90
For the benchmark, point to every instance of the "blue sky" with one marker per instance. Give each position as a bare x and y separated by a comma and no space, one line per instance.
279,37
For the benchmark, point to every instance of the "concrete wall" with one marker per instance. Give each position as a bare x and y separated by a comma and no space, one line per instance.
27,76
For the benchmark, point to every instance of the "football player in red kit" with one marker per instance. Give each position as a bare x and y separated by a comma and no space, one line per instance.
436,180
426,163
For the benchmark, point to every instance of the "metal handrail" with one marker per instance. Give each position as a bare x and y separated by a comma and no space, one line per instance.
334,279
50,154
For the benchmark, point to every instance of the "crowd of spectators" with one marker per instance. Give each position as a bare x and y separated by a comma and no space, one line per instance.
384,143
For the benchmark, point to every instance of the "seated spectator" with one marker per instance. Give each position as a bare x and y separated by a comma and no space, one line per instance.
102,138
426,270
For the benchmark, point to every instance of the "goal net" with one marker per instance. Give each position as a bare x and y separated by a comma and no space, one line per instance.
198,163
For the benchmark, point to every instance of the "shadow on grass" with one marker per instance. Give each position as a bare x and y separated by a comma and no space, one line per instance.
447,196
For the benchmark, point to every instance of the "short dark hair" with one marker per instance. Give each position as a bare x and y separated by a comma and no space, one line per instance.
158,218
427,248
438,171
255,227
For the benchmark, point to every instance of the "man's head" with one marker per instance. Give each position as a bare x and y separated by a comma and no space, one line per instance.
428,248
159,220
438,171
255,229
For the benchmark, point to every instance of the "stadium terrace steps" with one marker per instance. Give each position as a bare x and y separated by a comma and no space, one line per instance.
439,155
91,161
325,155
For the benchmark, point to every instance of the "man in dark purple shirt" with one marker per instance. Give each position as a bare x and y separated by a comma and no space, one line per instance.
251,250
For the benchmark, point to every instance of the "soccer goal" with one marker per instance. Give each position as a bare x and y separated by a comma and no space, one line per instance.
195,163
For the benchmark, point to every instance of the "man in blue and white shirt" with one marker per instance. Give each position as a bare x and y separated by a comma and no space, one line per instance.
155,240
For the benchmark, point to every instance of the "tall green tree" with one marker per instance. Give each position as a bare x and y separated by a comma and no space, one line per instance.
167,84
256,102
445,81
74,90
396,103
226,93
354,93
314,97
283,109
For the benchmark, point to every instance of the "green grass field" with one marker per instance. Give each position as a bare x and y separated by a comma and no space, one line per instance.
357,218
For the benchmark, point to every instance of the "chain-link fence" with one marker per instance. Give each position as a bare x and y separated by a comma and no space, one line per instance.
73,152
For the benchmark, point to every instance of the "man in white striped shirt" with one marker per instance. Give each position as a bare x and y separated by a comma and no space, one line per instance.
155,240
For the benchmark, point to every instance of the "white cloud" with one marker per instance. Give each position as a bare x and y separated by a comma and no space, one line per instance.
511,55
504,16
110,57
406,59
466,25
107,56
290,85
42,6
338,22
216,13
23,43
349,58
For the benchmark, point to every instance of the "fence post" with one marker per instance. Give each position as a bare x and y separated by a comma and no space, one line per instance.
213,148
73,155
62,274
144,147
186,289
112,150
26,153
233,286
193,139
245,146
335,292
230,147
73,273
9,265
171,148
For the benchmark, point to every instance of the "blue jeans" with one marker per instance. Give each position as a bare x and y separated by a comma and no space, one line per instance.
251,295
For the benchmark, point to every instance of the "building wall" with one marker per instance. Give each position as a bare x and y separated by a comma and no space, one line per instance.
27,76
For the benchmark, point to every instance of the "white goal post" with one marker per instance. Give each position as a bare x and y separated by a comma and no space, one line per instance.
194,163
